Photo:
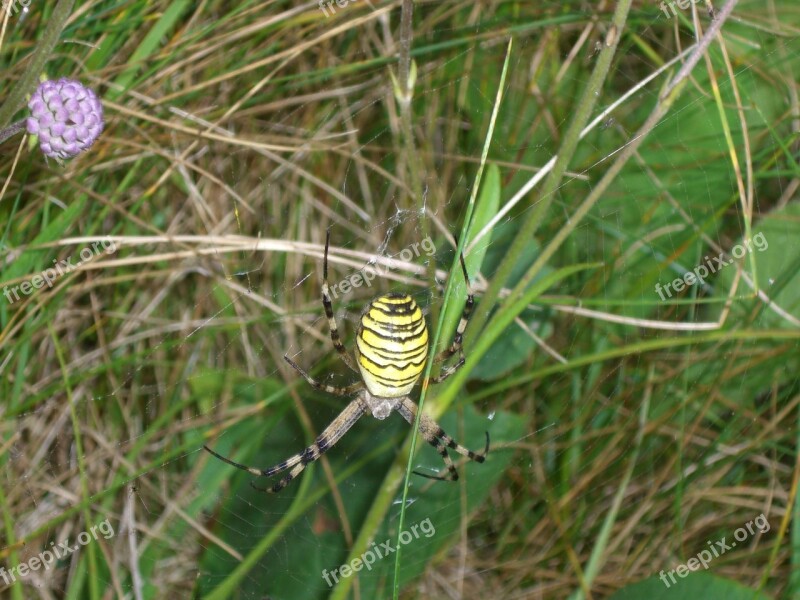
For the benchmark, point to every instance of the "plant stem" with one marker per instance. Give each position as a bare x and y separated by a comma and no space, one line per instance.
502,320
448,291
406,35
11,130
27,83
524,236
404,93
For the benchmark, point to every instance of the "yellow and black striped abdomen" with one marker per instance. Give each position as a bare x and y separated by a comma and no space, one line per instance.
391,345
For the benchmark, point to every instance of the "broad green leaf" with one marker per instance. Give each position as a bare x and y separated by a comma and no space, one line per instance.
485,209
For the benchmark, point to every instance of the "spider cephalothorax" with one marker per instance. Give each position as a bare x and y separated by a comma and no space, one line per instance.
391,350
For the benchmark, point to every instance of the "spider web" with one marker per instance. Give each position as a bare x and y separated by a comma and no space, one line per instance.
111,425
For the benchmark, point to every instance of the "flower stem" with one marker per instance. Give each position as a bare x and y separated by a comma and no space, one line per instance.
27,82
406,77
12,129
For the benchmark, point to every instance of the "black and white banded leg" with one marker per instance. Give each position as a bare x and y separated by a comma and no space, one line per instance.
328,306
456,346
436,437
331,389
332,434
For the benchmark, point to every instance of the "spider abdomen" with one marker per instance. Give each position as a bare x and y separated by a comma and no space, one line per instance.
391,345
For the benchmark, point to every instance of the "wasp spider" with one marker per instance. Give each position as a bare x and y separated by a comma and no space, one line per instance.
391,349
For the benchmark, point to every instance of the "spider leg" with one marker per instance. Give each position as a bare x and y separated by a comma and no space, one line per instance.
447,371
436,437
338,391
328,305
325,440
456,346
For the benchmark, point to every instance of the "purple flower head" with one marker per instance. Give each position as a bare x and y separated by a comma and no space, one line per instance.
67,117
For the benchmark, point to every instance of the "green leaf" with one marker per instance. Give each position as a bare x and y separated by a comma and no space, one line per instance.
434,515
486,208
151,42
514,347
773,249
31,262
